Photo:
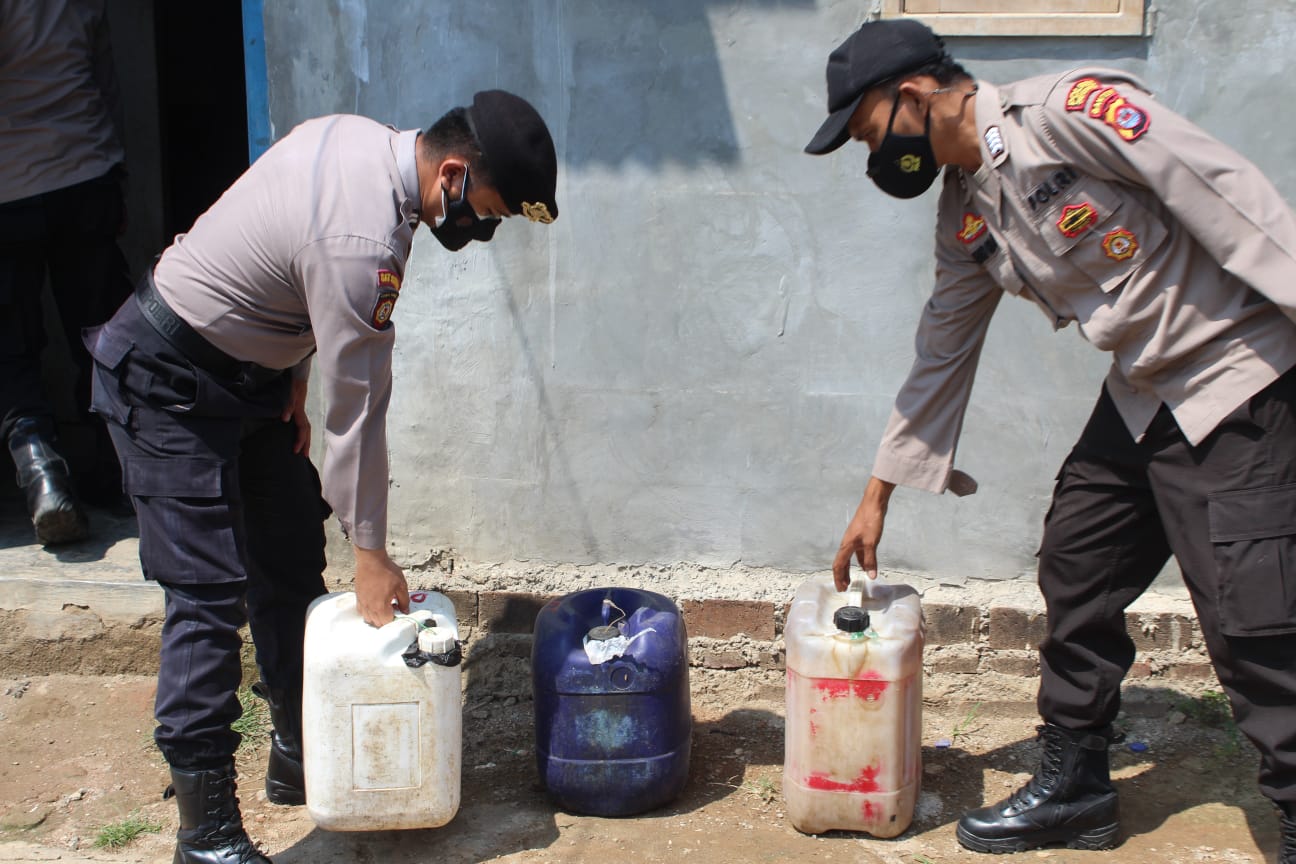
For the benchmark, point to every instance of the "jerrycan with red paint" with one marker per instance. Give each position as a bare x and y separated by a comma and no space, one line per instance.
853,746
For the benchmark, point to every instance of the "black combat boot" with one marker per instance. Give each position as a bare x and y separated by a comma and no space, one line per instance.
55,512
285,782
1069,800
1287,845
211,829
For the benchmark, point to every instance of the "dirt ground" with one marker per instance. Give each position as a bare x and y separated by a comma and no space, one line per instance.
77,756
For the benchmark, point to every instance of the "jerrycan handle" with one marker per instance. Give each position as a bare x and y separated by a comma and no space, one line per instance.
855,592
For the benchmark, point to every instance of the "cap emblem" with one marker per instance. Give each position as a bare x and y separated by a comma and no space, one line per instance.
537,212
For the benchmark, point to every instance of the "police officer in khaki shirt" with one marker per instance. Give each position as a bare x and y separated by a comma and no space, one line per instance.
202,379
1081,194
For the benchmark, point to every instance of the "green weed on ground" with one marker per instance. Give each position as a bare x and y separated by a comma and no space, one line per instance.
1211,709
254,725
119,834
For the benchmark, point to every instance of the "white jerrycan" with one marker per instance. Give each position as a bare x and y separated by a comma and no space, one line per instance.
381,721
853,746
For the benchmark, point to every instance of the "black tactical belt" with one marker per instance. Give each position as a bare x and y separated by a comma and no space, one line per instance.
189,342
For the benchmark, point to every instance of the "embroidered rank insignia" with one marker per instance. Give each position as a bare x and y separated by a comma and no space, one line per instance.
1077,219
1080,92
994,142
973,227
537,212
1120,245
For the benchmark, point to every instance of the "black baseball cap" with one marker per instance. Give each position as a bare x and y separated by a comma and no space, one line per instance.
876,52
518,151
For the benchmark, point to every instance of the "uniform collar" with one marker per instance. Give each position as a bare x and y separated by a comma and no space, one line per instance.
407,165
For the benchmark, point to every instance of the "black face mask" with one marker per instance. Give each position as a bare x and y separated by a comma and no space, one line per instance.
461,224
904,166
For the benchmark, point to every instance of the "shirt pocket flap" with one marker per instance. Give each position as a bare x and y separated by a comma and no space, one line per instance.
1102,234
173,476
1252,514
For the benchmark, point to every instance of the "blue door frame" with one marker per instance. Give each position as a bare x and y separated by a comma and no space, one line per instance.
255,76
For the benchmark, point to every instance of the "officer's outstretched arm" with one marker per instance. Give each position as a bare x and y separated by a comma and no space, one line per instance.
863,533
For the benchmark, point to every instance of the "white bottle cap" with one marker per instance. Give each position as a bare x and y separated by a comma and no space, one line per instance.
436,640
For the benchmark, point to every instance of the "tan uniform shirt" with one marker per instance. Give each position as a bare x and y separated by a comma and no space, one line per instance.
1104,208
57,95
306,253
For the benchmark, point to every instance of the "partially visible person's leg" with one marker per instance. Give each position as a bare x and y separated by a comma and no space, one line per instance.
285,530
89,281
26,414
1103,545
1230,508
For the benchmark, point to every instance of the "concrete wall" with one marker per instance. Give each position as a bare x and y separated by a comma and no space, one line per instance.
696,361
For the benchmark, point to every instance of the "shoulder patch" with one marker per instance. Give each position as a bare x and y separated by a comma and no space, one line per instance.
388,291
380,318
1080,93
1105,104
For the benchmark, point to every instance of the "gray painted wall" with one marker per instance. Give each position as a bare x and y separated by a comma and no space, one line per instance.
696,361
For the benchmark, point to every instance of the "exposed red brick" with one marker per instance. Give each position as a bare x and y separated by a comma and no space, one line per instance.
951,625
724,660
1023,664
465,604
1015,628
956,662
508,611
724,619
1191,672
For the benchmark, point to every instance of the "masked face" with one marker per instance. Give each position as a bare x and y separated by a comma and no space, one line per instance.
904,166
461,224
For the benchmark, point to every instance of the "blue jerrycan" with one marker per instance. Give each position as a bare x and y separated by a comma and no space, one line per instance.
609,670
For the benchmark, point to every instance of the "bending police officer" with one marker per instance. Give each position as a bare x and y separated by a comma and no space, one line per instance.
1083,195
202,378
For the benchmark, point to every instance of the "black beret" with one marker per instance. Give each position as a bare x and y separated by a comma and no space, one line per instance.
518,151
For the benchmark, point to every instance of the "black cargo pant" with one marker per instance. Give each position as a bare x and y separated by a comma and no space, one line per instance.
70,233
1226,509
230,523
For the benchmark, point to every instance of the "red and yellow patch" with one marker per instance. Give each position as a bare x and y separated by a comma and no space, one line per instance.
388,290
1077,219
1120,244
973,227
1108,106
1080,92
1129,121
